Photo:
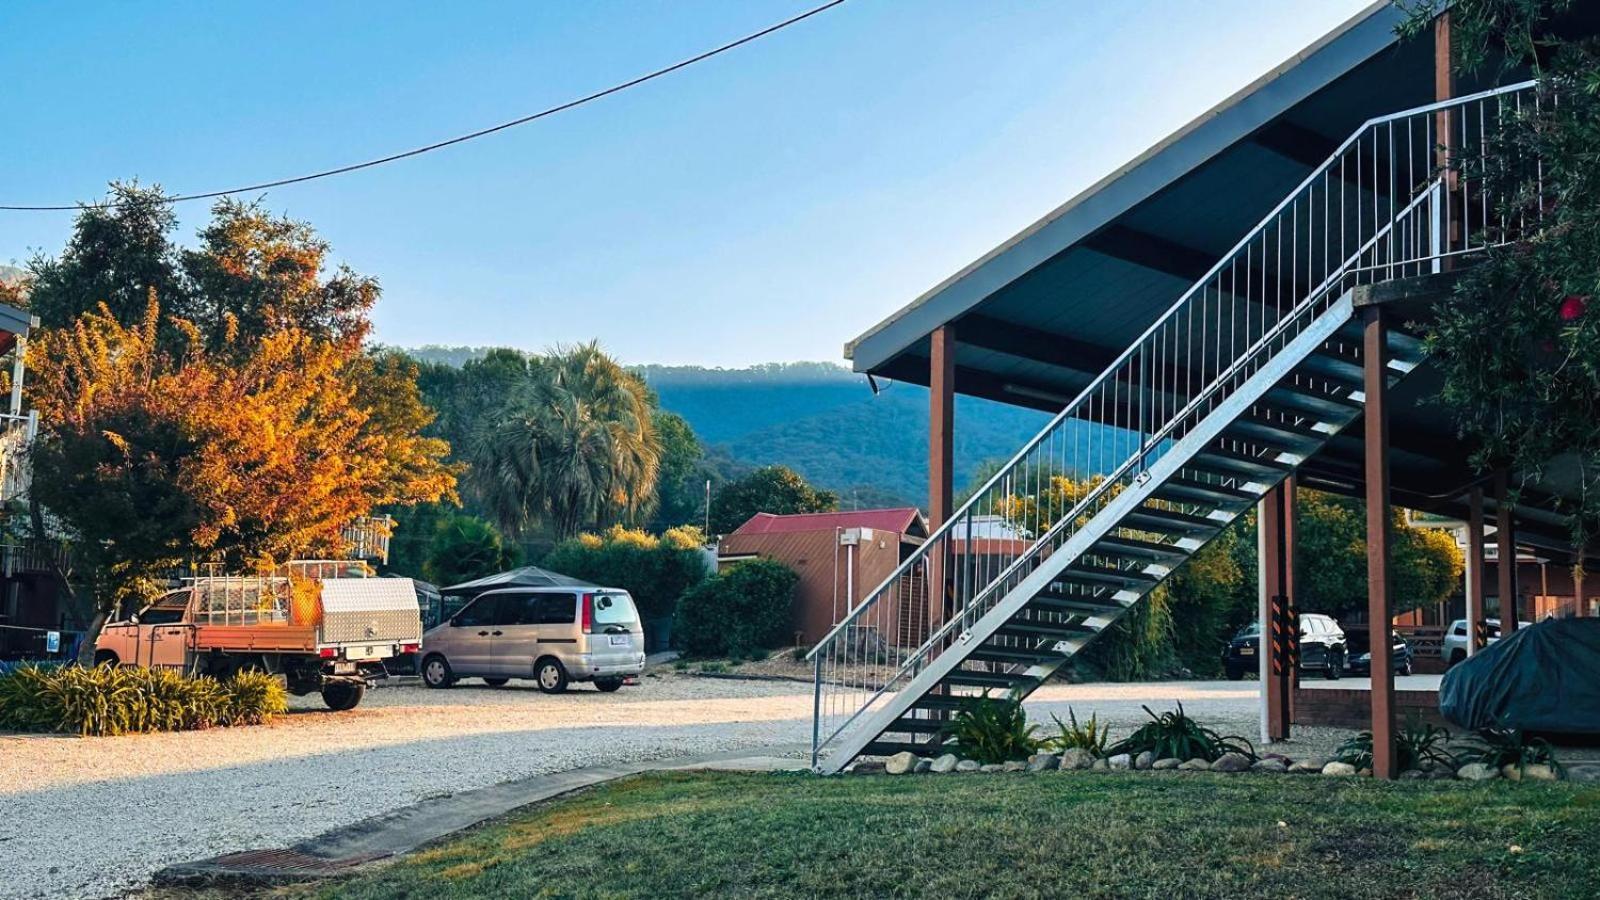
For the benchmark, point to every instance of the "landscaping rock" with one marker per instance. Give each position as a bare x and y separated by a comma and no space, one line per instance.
1101,765
1309,766
1441,773
1270,765
1339,769
1530,772
1477,772
865,767
990,767
1231,762
1364,773
1014,765
1413,775
1194,765
1076,758
1169,762
900,763
945,763
923,765
1043,762
1120,761
1583,773
1144,760
968,765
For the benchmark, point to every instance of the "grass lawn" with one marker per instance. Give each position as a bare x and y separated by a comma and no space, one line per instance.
1021,835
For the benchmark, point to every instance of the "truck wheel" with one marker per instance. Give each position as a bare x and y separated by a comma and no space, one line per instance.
436,672
608,684
551,674
343,695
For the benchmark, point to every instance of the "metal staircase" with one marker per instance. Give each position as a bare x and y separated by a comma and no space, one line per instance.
1250,373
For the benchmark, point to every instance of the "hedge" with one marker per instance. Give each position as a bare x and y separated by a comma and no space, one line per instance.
738,612
106,700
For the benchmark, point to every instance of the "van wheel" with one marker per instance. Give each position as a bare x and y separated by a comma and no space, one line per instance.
343,695
436,672
551,675
608,684
496,682
105,658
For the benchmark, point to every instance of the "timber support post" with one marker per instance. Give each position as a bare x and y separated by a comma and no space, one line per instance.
1477,620
1374,353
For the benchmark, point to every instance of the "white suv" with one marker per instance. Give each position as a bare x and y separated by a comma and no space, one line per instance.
1454,648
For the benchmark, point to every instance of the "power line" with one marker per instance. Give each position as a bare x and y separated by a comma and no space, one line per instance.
461,139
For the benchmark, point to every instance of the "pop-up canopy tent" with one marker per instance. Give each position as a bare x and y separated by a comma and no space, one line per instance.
458,595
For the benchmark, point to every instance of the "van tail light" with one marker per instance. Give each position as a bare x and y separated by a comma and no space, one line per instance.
328,652
588,614
410,648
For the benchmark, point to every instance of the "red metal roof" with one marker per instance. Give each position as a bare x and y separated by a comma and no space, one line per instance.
899,520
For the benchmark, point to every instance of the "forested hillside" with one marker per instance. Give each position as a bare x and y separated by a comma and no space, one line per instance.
824,422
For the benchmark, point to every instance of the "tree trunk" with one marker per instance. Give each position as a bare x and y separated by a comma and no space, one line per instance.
90,636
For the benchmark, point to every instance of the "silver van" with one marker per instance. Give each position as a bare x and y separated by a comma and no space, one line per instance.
553,635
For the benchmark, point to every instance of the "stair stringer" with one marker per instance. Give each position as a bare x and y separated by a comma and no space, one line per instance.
875,722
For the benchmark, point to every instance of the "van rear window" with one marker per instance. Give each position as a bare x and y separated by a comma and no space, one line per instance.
614,609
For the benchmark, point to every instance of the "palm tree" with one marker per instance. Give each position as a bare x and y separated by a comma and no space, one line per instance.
574,446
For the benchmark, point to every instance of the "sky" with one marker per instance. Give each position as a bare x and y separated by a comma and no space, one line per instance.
767,205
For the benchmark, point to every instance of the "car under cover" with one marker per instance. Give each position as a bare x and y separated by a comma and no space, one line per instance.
1544,678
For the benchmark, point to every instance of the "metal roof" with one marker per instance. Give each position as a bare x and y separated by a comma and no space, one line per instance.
900,520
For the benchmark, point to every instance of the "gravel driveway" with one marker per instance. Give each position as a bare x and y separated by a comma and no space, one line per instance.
96,816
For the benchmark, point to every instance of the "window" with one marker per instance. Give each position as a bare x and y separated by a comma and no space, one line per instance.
486,610
548,609
614,609
1459,630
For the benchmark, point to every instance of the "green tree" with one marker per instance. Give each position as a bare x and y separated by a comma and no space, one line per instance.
464,548
738,613
575,447
680,488
770,489
655,571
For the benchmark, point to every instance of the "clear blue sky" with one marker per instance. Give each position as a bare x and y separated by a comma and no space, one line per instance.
767,205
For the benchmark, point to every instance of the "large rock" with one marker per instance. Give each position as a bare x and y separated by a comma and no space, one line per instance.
1583,773
1231,762
991,767
945,763
1529,772
1477,772
1170,762
1145,760
1120,761
1271,765
1014,765
900,763
1309,766
1194,765
1413,775
1043,762
865,767
923,764
1076,758
1339,769
1100,765
968,765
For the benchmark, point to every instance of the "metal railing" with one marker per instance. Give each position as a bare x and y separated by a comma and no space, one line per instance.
16,434
1398,198
368,538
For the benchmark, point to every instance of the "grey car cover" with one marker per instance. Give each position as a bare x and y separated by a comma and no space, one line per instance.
1543,678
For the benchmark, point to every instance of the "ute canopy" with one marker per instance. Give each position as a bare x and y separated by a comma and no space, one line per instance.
1544,678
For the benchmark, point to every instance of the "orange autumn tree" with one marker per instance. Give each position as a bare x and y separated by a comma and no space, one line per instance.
164,444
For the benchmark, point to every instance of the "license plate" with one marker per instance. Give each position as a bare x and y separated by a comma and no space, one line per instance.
1247,651
619,640
368,652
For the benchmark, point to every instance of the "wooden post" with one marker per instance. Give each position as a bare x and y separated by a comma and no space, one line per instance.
1291,594
1276,637
1506,562
1374,353
941,425
1477,624
1444,88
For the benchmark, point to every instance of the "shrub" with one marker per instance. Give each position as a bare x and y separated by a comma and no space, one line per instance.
1417,744
1073,736
1173,735
738,612
1500,747
654,571
109,701
991,731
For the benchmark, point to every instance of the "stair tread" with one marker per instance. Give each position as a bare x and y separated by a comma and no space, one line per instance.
1166,519
1081,571
1180,487
1226,460
1112,545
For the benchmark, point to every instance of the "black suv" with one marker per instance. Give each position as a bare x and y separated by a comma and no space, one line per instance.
1322,647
